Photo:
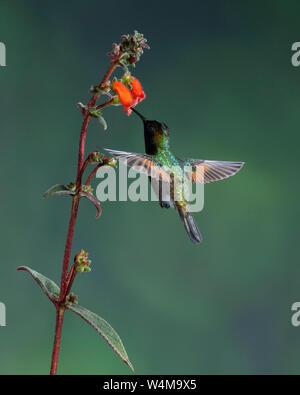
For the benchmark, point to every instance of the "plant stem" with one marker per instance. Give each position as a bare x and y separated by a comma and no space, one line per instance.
112,66
64,274
79,178
64,288
108,103
93,172
87,118
71,278
60,310
83,132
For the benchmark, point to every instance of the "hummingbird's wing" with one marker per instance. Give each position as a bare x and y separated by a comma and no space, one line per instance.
205,171
141,163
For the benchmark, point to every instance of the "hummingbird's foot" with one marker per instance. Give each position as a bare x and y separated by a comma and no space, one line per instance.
164,205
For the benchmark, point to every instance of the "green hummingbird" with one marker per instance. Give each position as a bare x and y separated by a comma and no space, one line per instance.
161,163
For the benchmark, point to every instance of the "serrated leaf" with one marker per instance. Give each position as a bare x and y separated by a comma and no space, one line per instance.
104,329
94,201
48,286
58,189
102,121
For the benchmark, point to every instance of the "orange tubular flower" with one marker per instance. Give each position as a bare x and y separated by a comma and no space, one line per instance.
129,98
123,92
137,90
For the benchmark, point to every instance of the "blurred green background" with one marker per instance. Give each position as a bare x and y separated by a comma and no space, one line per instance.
220,75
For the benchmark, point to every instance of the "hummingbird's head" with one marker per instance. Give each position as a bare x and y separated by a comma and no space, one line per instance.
156,133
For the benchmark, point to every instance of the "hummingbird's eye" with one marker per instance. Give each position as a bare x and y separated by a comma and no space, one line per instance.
151,127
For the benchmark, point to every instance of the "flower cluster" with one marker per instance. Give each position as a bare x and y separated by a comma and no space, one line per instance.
129,91
130,49
95,157
82,263
87,189
72,299
110,162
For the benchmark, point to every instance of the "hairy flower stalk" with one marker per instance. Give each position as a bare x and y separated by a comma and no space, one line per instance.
128,92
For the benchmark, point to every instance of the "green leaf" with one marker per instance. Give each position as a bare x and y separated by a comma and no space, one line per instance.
104,329
58,189
48,286
95,202
102,121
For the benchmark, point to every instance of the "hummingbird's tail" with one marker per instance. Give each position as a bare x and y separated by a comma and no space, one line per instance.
190,226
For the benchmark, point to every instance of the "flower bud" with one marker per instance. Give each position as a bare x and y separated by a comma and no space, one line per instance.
82,263
72,298
87,189
127,78
95,157
130,49
110,162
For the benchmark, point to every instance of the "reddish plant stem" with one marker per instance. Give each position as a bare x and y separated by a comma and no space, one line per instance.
60,310
108,103
87,118
83,132
111,68
64,274
79,179
71,278
64,284
93,172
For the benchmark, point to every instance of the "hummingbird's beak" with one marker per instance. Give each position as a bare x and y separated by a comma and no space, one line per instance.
140,115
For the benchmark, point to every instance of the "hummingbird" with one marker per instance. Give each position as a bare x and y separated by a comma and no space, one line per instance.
160,162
